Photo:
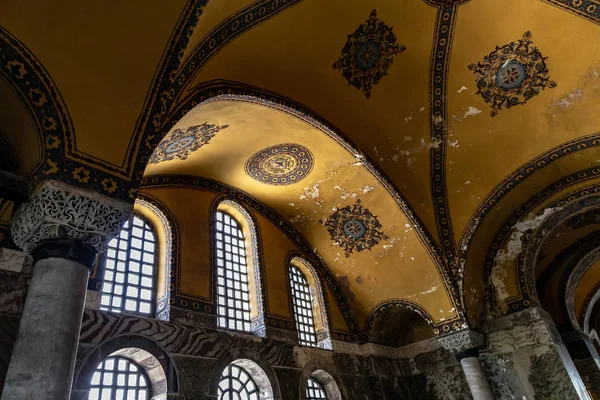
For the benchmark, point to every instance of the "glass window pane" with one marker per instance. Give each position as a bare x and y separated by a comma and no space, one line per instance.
235,383
235,294
303,312
136,245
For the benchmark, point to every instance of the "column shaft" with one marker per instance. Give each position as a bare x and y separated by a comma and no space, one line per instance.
478,383
43,359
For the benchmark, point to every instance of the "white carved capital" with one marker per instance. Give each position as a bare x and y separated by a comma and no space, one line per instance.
57,210
462,341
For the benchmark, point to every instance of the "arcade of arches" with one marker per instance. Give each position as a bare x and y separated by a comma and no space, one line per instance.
300,199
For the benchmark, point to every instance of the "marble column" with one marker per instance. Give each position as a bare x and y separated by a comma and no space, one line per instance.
586,360
63,228
465,346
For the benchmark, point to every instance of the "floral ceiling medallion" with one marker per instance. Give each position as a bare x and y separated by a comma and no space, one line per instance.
283,164
183,142
354,228
368,54
512,74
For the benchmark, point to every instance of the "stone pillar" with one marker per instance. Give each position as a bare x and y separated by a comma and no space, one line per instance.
64,228
465,346
586,360
526,358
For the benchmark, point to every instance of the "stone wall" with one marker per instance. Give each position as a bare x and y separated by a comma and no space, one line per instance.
525,358
15,272
420,371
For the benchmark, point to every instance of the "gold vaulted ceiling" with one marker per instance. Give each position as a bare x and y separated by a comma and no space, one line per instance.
128,71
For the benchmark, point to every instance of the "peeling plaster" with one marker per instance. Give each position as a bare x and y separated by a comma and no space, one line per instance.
569,99
590,83
508,254
472,111
367,189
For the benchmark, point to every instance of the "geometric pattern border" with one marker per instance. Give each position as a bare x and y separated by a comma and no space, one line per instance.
524,299
588,9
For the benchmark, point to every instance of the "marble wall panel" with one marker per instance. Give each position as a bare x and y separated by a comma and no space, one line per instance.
9,327
13,291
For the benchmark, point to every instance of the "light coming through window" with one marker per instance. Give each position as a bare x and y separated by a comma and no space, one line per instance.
236,384
314,390
118,378
303,312
128,284
233,295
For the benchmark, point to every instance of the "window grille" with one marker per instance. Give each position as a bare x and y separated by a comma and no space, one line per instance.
314,390
237,384
118,378
233,294
128,284
303,311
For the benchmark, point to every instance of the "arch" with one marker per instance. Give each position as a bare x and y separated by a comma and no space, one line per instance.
513,180
167,232
320,309
326,375
128,269
573,277
220,89
253,247
397,306
590,304
530,233
229,192
254,365
145,352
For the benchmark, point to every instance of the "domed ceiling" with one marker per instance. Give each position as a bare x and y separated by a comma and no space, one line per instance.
436,121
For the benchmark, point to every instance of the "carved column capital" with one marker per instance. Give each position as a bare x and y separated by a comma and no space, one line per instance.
57,210
463,342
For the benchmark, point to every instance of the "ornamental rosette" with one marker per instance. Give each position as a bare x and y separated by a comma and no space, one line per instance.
512,74
354,228
368,54
180,143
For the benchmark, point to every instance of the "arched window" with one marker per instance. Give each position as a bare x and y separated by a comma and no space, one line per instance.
233,292
308,300
314,390
128,284
237,384
118,378
303,313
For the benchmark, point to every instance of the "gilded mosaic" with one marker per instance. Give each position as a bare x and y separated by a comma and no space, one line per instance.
183,142
511,74
282,164
368,54
354,228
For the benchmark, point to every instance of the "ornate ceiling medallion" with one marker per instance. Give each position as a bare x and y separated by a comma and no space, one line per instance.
282,164
368,54
354,228
512,74
183,142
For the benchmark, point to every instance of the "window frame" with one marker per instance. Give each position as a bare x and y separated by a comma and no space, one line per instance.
300,309
243,385
140,372
244,275
129,226
316,386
